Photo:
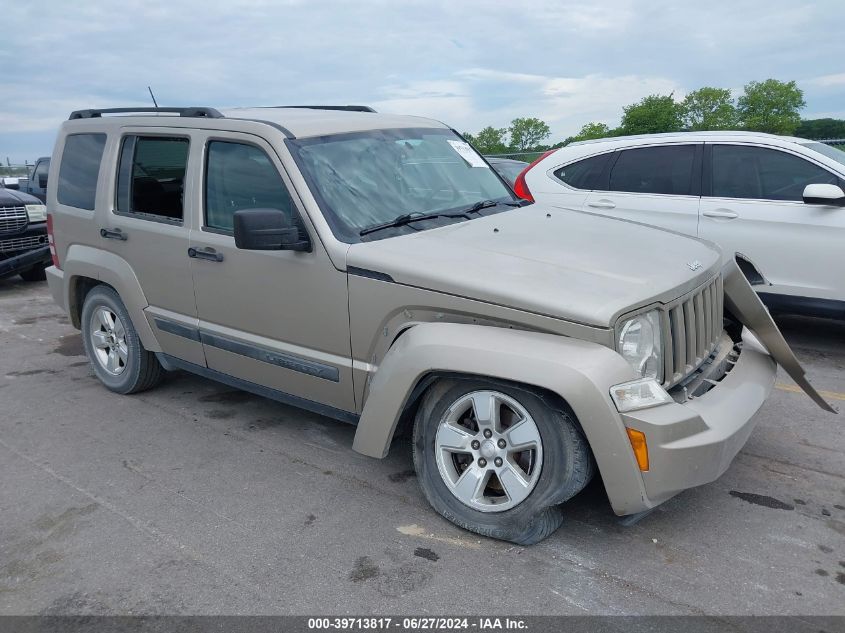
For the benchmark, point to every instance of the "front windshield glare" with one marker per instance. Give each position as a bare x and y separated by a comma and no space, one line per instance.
363,179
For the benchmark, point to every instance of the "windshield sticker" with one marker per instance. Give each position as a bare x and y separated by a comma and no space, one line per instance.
467,153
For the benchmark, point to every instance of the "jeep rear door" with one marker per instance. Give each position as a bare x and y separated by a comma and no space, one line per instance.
278,319
148,225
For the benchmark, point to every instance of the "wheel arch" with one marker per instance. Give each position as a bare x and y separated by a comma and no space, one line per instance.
85,268
577,374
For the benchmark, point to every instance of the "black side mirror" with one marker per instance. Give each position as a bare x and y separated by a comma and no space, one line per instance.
267,230
42,181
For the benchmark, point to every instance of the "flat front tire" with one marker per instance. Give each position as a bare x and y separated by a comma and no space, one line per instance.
112,345
498,459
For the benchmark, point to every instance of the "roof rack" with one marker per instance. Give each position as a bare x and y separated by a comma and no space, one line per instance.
347,108
209,113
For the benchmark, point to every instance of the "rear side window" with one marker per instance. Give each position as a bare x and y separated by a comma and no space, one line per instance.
241,176
585,174
740,171
151,177
79,170
665,170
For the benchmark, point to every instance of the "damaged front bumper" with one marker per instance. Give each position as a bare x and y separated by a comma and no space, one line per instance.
693,441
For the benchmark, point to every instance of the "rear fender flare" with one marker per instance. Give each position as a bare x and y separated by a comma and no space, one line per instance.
108,268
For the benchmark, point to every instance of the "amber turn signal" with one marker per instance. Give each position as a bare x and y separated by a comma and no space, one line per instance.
640,447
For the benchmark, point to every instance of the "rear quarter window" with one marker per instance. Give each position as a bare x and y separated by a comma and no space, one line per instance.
79,170
585,174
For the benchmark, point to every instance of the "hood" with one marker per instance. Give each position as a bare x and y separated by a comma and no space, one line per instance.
556,262
15,198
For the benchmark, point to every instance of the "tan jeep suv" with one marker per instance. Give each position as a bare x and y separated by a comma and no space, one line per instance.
374,269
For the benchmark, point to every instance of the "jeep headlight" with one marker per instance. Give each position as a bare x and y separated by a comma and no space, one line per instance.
36,212
638,341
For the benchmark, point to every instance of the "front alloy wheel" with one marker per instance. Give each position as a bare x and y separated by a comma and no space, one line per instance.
489,451
498,458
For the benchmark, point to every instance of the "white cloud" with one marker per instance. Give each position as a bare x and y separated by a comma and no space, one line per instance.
471,63
565,103
827,81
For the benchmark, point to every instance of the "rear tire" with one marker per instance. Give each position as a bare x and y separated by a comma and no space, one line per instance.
558,465
36,273
113,347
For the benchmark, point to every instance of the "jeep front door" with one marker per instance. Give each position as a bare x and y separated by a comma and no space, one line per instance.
278,319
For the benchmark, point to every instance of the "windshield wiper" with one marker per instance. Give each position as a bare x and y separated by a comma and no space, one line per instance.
407,218
486,204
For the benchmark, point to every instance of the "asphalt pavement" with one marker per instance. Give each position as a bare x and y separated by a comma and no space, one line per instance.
194,498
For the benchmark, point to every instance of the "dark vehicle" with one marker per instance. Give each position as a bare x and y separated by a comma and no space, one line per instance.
508,168
24,248
36,185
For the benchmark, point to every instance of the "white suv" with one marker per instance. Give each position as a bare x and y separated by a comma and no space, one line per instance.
775,201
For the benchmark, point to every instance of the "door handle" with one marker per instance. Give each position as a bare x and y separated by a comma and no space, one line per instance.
602,204
727,215
113,234
207,253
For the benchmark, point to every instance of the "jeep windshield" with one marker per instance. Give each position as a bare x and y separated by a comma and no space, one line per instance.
371,185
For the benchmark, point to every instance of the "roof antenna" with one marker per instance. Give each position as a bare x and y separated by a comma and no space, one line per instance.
153,96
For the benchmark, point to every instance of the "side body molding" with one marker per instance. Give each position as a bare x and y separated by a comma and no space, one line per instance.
580,372
84,261
745,305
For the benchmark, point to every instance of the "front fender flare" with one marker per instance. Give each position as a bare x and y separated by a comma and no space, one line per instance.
578,371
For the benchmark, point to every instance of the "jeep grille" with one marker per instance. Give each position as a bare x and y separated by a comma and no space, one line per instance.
692,326
12,219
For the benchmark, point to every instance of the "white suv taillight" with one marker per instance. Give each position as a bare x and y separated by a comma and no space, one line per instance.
520,188
52,242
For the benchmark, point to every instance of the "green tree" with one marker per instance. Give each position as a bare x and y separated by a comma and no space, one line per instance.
709,109
491,140
527,133
590,131
771,106
821,128
651,115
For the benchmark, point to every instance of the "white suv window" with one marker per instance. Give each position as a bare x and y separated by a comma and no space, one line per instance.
584,174
663,170
760,173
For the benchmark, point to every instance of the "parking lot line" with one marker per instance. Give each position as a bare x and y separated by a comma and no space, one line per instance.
833,395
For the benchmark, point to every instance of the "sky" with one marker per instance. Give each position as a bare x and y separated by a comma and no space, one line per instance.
469,63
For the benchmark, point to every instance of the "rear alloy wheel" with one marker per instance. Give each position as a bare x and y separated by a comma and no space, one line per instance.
498,458
109,338
117,356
